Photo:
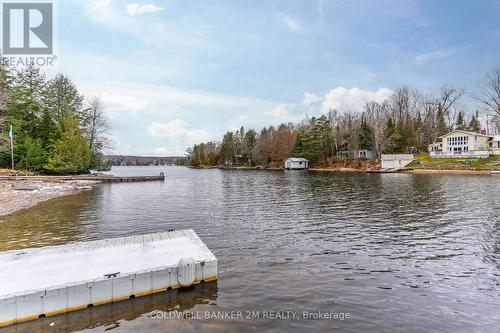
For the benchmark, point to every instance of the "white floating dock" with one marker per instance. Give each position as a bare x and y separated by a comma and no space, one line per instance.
46,281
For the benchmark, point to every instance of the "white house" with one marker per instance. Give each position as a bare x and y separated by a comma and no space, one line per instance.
494,145
394,161
296,163
460,143
365,153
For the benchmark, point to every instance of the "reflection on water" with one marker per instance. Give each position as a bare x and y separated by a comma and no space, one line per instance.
420,252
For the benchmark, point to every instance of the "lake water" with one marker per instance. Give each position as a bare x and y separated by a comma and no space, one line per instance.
397,252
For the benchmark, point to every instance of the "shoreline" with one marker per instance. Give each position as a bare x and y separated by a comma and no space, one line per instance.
451,171
355,170
24,194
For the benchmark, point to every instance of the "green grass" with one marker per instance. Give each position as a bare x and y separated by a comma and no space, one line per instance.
427,162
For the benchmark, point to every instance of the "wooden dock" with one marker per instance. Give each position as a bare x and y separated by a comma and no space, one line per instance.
42,282
97,178
390,170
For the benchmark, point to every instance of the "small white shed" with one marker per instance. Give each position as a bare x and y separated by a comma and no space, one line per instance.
296,163
393,161
365,153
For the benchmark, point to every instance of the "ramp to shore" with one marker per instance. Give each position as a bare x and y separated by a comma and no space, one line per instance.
46,281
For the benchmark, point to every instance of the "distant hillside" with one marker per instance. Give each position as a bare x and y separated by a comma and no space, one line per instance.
123,160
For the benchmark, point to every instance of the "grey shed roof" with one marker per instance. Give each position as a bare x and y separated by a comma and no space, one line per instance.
297,159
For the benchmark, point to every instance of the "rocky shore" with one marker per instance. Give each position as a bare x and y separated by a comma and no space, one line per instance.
21,194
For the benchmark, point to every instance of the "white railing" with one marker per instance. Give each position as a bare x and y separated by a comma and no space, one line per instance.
458,154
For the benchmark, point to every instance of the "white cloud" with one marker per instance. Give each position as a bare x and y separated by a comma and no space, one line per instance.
98,4
178,130
310,98
290,22
280,111
354,99
199,115
117,104
138,9
436,55
111,15
146,98
162,151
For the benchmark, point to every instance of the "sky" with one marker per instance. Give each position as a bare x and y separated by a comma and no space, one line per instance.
172,73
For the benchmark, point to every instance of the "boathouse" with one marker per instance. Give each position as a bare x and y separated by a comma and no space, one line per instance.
296,163
394,161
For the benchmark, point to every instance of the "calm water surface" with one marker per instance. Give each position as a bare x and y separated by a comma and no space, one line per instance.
398,252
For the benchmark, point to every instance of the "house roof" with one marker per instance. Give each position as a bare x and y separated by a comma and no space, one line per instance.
297,159
466,132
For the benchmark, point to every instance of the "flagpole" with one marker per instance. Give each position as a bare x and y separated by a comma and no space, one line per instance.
12,152
12,146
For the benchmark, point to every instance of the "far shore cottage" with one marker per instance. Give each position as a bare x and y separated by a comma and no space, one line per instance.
460,143
296,163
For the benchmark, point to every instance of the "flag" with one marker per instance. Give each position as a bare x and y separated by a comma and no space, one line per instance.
10,132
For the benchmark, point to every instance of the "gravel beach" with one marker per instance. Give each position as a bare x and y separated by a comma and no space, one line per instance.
21,194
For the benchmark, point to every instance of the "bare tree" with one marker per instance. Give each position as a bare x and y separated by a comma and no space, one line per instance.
400,103
376,115
333,116
282,142
490,96
448,99
95,124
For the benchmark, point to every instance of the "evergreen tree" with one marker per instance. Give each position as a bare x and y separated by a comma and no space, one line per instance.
26,96
36,109
460,124
33,155
366,136
442,129
389,135
419,133
71,152
308,144
249,142
401,138
227,150
62,97
474,124
323,130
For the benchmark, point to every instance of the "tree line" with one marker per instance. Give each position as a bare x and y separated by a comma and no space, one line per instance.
407,121
54,128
